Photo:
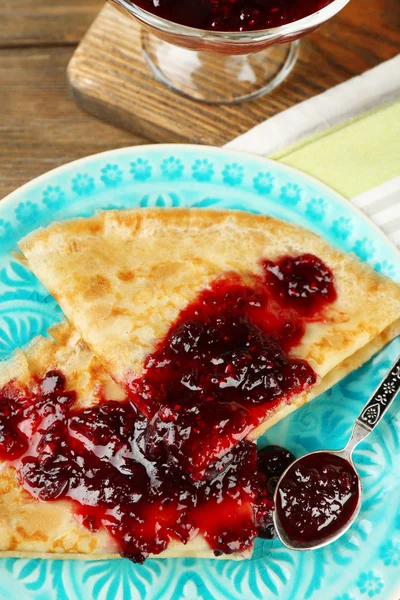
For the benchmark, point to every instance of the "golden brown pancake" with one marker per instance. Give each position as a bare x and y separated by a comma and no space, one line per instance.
123,277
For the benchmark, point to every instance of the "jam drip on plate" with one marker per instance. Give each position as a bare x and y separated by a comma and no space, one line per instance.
232,15
118,475
224,366
317,496
272,461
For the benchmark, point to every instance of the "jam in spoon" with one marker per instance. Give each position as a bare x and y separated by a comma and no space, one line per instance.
318,497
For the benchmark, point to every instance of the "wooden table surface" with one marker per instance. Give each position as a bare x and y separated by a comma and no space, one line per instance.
42,128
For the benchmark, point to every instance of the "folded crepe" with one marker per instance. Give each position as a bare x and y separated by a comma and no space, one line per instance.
81,477
216,324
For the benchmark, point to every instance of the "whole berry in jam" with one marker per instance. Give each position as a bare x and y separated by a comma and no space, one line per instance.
53,382
272,461
13,442
302,282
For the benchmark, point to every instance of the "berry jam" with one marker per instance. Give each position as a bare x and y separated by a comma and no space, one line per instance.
13,443
109,462
232,15
317,497
180,466
224,365
272,461
303,282
21,412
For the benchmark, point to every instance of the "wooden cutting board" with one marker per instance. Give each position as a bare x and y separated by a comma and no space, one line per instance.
109,78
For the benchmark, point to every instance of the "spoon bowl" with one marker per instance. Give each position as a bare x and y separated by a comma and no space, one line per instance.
339,510
293,544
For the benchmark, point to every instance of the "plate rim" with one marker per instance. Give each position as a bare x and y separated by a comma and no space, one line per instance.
18,194
9,198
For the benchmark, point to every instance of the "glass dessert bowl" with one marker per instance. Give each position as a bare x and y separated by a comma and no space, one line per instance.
225,51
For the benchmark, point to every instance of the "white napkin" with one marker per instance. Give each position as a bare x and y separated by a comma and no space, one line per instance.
370,90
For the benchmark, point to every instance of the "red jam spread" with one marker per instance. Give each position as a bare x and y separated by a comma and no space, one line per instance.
317,497
111,464
302,282
232,15
182,467
224,365
272,461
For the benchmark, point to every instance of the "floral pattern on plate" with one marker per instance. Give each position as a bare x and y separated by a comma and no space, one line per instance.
365,562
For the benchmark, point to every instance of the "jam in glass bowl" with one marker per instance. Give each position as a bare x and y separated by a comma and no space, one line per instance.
224,51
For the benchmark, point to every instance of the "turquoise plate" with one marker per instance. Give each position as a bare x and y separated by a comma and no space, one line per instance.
363,564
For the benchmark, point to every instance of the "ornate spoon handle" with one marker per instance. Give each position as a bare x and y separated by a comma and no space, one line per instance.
375,408
381,399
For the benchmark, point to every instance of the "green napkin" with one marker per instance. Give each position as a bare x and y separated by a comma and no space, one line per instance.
352,157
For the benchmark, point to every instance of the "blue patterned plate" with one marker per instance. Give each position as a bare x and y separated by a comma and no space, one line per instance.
365,563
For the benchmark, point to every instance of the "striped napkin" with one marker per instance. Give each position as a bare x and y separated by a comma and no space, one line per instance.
382,205
348,137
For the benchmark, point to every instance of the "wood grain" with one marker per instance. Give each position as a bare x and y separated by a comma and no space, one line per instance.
40,125
109,77
45,22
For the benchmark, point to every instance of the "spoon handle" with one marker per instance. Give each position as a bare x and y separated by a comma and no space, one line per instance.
375,408
381,399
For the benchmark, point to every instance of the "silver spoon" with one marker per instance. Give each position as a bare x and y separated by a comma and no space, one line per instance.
367,420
